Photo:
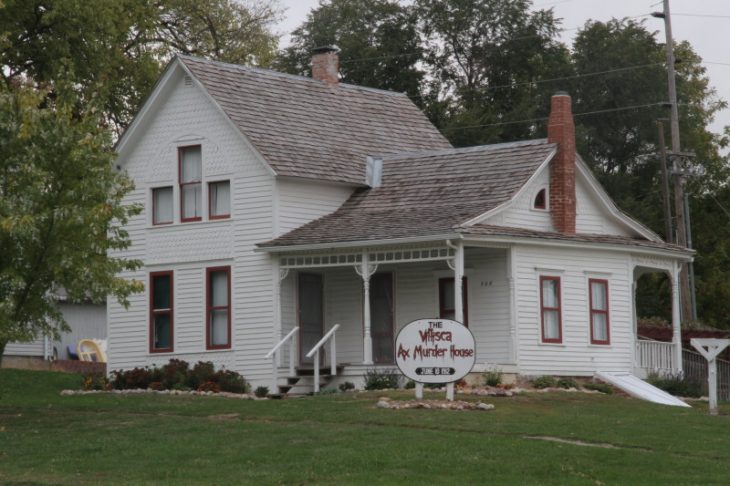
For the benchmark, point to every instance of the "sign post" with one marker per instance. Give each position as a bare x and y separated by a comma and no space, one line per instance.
710,348
435,351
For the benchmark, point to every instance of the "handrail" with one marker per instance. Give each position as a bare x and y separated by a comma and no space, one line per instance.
274,354
281,343
333,355
323,340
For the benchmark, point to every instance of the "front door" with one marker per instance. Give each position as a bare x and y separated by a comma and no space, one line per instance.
311,315
381,317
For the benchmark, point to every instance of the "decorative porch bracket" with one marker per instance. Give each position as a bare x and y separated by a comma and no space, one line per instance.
710,348
366,270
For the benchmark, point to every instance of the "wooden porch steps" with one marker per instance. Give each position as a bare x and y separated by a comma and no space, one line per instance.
303,382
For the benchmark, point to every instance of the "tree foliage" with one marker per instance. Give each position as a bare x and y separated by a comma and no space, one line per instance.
61,212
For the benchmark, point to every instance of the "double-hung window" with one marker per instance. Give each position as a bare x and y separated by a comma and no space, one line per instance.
219,200
162,205
161,312
191,187
550,310
218,312
598,295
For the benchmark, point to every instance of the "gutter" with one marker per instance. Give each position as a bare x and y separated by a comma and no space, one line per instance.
358,243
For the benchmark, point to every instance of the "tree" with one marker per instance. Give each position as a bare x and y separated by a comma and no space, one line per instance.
61,212
113,50
484,56
378,42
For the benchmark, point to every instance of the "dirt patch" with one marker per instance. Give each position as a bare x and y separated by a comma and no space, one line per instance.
581,443
225,417
385,402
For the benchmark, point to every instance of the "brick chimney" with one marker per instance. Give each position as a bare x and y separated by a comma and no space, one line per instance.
326,65
561,130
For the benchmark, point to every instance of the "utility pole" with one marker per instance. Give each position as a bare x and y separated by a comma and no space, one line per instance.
688,311
665,183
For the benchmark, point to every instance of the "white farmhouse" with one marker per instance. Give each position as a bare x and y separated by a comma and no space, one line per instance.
281,209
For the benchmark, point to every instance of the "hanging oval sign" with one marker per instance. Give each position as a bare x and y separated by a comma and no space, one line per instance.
435,351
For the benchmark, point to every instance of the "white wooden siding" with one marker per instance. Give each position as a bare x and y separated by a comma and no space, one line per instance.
33,348
303,201
576,355
592,216
521,214
189,117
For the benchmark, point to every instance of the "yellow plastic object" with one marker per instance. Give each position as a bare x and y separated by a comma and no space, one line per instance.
89,350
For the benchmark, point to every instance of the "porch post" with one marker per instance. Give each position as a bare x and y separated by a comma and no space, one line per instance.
366,271
459,282
676,320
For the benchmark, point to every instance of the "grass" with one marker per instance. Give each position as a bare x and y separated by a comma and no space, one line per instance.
344,439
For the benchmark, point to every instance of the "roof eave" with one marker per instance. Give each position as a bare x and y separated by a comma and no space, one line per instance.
356,243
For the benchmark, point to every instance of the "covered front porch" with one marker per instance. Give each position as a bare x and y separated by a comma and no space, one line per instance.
361,297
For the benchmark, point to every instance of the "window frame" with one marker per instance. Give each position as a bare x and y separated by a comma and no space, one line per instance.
209,308
210,204
153,312
544,206
154,206
592,311
543,308
464,296
182,184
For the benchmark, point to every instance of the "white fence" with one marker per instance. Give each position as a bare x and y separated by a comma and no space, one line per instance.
655,356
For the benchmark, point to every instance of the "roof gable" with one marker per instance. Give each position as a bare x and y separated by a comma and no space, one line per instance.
307,128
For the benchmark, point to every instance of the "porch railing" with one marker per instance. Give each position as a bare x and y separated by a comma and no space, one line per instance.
274,355
695,368
656,356
330,336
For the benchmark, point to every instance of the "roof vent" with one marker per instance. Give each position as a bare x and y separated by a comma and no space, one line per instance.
188,81
374,172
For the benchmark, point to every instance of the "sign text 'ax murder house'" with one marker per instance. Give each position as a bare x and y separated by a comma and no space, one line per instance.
435,351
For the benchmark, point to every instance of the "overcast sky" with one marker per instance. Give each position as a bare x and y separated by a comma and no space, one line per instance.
707,28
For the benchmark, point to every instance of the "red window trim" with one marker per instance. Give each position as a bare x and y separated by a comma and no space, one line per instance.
210,206
598,311
182,184
535,205
209,308
392,313
153,312
154,222
465,297
543,308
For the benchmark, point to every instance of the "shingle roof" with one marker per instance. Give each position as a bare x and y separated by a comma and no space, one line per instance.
427,193
307,128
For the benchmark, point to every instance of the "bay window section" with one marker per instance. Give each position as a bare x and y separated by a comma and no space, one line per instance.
598,295
191,190
550,310
161,312
219,200
218,313
162,205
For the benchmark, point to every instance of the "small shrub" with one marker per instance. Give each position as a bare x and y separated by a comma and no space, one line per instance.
566,382
261,391
175,374
410,385
131,379
156,385
600,387
200,374
542,382
348,385
380,380
493,377
209,386
677,384
434,386
230,381
95,381
180,387
327,391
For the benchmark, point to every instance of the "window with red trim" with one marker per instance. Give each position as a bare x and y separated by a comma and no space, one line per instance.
447,305
161,312
191,187
598,296
162,205
218,312
219,200
550,311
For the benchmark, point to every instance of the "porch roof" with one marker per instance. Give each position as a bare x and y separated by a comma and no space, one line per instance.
427,194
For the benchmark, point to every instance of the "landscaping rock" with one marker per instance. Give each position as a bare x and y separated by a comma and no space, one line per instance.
485,406
383,404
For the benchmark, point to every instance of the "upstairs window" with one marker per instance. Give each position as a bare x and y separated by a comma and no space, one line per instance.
540,200
162,205
598,294
218,329
161,322
219,200
550,311
191,191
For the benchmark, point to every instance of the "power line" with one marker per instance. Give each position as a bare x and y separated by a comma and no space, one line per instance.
708,16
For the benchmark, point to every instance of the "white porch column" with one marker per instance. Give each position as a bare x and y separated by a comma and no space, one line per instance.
513,349
459,282
366,271
676,320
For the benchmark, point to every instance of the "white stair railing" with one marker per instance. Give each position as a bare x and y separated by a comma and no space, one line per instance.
274,355
333,355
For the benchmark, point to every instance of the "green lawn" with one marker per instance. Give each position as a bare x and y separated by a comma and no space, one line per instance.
344,439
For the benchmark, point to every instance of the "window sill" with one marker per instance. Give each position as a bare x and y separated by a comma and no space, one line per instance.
557,345
189,224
